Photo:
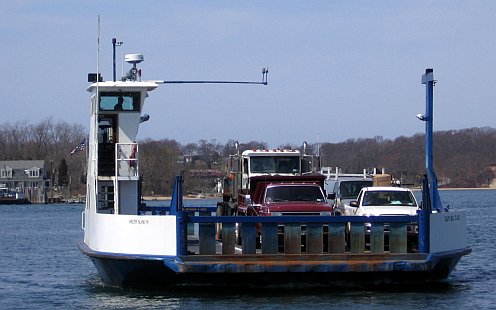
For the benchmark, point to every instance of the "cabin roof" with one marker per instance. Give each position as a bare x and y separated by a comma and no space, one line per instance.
148,85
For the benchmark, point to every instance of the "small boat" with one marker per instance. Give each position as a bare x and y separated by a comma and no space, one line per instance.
132,244
9,197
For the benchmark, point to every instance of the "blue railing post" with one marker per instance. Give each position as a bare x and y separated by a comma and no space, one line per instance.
176,208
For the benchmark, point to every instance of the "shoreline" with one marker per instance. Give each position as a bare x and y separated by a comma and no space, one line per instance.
187,197
198,197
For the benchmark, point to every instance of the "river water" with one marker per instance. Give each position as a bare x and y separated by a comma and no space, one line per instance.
42,268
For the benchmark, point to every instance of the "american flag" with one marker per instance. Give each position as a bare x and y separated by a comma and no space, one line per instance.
78,148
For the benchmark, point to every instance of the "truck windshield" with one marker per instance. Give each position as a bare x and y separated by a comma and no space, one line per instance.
351,189
275,164
388,198
294,193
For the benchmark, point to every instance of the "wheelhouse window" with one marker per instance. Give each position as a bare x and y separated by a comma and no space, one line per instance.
119,101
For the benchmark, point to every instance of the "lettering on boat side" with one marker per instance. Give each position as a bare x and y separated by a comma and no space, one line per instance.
452,218
196,209
136,221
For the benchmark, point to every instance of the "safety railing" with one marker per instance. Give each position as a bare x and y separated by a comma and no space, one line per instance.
126,160
238,235
330,235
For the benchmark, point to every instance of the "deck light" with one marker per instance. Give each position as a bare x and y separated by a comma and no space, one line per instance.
422,117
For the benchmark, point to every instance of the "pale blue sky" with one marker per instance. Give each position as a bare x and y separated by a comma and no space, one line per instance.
337,69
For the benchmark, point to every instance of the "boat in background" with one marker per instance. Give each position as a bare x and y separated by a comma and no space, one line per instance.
132,244
9,197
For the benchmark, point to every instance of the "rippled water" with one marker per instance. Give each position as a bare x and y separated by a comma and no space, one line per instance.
41,268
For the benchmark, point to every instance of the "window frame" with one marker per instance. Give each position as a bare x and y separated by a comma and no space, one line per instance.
136,101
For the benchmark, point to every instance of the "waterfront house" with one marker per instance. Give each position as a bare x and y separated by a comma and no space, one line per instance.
26,176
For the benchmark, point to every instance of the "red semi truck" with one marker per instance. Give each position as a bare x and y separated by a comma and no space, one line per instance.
281,196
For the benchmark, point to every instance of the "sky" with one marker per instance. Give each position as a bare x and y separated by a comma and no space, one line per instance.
338,70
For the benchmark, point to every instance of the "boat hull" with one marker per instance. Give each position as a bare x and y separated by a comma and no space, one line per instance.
14,201
273,271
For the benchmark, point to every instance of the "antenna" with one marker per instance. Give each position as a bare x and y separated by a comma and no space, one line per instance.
114,44
133,59
134,73
98,50
96,77
265,72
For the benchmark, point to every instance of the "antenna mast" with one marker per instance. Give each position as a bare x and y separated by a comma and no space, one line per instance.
114,44
265,72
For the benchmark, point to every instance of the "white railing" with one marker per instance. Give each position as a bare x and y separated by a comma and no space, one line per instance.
126,160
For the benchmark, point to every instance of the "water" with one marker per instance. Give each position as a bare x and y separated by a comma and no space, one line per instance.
41,268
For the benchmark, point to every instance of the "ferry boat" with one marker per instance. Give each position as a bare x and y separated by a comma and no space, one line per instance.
132,244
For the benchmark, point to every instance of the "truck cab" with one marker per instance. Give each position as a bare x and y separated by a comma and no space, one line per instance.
241,169
283,196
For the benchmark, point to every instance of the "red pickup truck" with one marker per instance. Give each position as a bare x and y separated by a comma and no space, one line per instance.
284,195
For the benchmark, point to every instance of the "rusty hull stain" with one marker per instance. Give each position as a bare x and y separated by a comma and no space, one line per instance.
301,263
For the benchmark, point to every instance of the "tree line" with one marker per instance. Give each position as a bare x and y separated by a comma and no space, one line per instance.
462,158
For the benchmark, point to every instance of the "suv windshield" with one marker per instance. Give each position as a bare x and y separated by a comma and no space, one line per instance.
388,198
294,193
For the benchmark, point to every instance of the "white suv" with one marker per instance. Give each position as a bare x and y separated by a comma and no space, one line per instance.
385,201
374,201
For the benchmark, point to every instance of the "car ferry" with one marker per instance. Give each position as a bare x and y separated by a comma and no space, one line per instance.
131,244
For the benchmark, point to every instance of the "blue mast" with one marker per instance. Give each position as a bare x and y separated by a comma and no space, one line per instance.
430,195
434,200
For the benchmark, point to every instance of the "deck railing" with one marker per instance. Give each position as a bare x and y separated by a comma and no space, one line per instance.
217,235
127,160
201,232
264,235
